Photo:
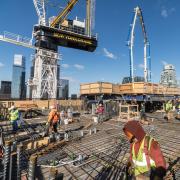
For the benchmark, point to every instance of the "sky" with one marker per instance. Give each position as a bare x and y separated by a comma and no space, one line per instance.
110,61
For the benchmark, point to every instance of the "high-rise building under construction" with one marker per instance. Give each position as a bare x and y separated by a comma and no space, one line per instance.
168,76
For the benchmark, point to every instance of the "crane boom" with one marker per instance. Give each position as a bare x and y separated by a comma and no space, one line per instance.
142,24
40,9
138,13
62,15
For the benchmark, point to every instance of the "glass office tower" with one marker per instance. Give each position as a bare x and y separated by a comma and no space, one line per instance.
64,89
18,78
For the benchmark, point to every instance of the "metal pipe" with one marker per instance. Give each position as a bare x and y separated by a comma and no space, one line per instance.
32,166
19,161
7,160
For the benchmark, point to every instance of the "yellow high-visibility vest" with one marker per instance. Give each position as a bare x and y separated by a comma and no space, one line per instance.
14,115
140,162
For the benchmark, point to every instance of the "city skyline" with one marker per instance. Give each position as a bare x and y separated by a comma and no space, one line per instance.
162,26
19,89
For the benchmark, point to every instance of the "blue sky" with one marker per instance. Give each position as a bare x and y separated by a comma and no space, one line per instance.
110,61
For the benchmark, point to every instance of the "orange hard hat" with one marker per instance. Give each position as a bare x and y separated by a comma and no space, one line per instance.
128,134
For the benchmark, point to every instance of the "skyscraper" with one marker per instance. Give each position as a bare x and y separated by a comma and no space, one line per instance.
18,78
5,92
168,76
64,89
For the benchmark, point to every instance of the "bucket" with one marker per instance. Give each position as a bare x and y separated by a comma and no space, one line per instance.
95,119
65,121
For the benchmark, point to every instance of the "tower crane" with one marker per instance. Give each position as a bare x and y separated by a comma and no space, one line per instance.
47,37
147,66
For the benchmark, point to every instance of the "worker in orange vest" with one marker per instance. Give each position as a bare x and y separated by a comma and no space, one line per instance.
146,159
53,119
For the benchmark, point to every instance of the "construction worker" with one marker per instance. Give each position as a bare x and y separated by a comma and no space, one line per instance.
62,117
14,117
168,108
53,119
146,159
100,112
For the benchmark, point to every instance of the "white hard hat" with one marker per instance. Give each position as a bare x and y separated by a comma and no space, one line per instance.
52,107
12,107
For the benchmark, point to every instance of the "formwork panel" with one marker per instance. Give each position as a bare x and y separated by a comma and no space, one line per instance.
85,91
106,90
95,85
106,85
95,90
85,86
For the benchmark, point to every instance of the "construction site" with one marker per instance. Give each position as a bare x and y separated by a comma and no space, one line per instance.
44,138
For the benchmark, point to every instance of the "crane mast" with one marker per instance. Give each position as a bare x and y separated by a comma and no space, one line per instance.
75,34
147,71
45,80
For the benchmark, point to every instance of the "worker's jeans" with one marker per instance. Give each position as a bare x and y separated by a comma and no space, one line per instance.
100,118
14,125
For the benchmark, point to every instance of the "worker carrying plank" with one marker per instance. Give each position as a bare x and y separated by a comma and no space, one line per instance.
146,159
53,119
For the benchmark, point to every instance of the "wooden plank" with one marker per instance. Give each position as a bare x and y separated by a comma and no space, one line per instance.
105,90
95,85
106,85
36,143
96,90
85,86
83,91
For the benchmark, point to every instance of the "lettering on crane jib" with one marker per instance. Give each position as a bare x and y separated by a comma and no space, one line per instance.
72,38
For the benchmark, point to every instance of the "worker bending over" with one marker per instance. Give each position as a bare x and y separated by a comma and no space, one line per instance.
53,119
14,117
146,159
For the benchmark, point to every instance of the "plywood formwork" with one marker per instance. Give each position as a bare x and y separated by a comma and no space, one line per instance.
116,88
96,88
129,88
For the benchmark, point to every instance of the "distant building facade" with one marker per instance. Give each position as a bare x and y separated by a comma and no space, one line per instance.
64,89
5,91
18,78
136,79
73,96
168,76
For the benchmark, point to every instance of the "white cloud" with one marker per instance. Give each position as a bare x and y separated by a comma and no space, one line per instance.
65,65
109,54
71,79
141,66
166,12
164,63
78,66
1,64
172,10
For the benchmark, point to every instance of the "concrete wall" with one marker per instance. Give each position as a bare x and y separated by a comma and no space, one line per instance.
43,103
